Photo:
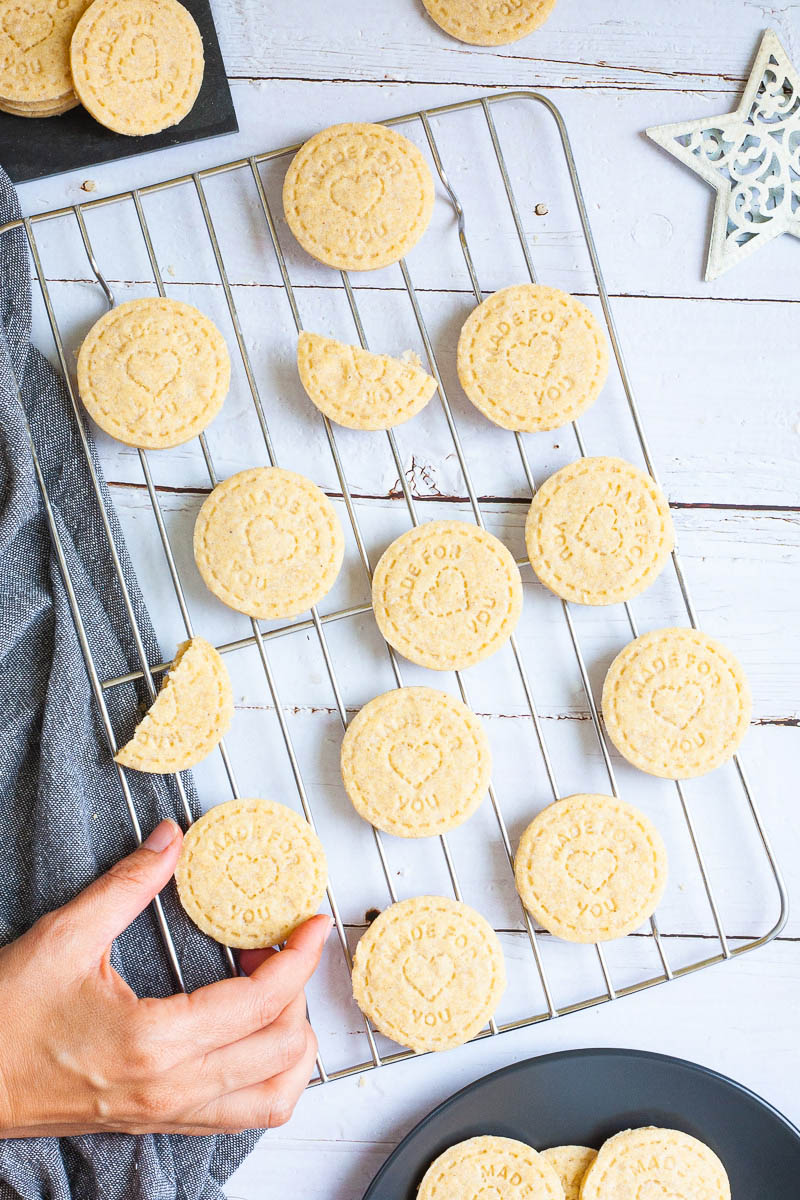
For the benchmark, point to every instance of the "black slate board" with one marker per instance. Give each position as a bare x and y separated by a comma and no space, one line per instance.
32,148
582,1097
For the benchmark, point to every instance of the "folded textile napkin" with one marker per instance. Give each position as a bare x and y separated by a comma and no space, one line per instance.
62,815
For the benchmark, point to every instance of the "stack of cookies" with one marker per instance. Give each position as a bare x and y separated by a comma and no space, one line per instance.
135,65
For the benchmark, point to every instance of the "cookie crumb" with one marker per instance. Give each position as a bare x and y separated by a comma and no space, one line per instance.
88,185
541,210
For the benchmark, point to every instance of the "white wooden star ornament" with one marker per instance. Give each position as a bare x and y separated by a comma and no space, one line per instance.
752,158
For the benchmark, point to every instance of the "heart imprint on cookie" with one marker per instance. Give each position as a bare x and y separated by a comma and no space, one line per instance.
592,869
270,543
357,194
536,356
250,874
448,595
139,63
677,705
488,1193
429,973
28,27
415,762
153,370
600,531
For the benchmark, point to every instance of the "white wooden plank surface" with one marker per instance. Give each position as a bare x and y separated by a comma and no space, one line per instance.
715,369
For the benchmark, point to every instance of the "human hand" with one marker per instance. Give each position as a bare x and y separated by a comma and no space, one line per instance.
81,1053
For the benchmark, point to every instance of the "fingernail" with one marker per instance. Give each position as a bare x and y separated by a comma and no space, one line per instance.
328,930
162,836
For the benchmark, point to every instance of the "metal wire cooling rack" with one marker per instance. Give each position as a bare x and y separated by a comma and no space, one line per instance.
250,168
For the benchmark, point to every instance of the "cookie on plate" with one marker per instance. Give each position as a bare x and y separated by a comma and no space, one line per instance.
137,65
446,595
490,1168
655,1164
189,716
590,868
532,358
570,1164
359,389
358,196
268,543
154,372
487,23
415,762
251,871
429,972
676,703
35,74
598,531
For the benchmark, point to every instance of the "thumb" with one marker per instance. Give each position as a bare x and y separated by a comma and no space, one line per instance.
107,906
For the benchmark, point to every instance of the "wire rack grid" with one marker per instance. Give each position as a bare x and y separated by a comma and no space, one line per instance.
428,122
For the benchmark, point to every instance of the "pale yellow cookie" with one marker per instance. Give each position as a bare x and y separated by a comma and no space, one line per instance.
415,762
250,872
490,1168
359,389
429,972
532,358
189,716
489,22
570,1164
34,49
52,108
655,1164
137,65
358,197
153,372
598,531
268,543
591,868
676,703
446,595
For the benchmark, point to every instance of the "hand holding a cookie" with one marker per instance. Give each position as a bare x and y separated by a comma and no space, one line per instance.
81,1053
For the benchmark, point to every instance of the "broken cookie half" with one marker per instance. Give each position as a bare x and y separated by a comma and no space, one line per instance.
189,717
359,389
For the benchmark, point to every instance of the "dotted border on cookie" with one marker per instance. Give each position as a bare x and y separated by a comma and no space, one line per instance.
547,494
615,728
401,642
689,1144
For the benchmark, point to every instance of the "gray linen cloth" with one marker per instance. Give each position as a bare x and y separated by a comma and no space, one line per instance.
62,814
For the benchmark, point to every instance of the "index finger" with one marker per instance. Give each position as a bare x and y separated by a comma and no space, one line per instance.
223,1012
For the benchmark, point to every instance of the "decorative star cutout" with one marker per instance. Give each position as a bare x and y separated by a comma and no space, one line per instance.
752,158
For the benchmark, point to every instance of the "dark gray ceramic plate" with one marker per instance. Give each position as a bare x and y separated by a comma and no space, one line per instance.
583,1096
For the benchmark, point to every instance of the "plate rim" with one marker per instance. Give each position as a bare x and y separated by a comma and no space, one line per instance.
583,1052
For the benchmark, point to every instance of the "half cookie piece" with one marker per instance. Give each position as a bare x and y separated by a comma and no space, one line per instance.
359,389
189,717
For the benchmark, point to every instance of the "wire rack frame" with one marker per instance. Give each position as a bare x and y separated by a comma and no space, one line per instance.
317,622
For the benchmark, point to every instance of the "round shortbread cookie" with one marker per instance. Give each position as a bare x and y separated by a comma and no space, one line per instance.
570,1164
137,65
655,1164
590,868
415,762
490,1168
50,108
189,716
446,595
268,543
598,531
359,389
489,22
676,703
250,872
532,358
358,197
153,372
429,972
34,50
